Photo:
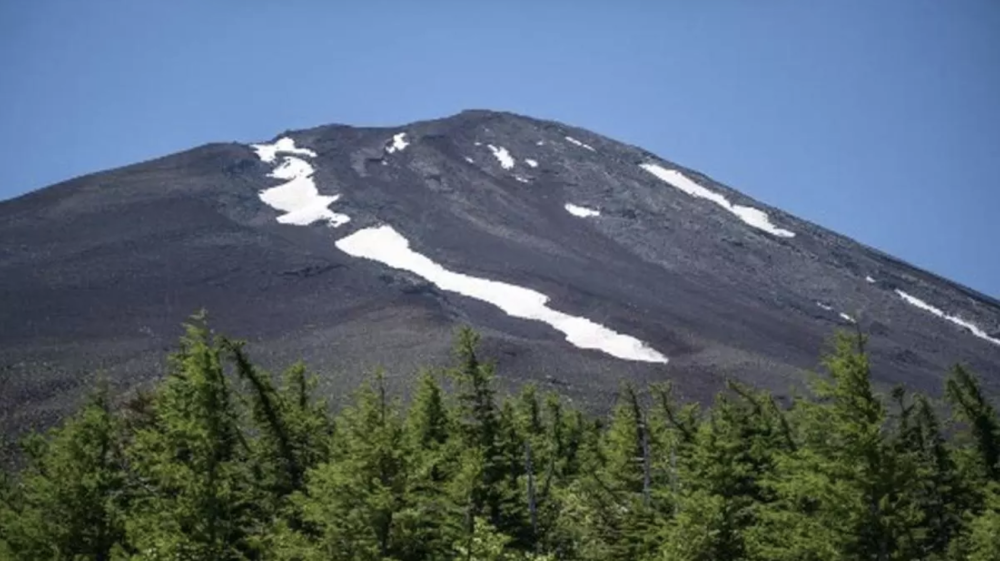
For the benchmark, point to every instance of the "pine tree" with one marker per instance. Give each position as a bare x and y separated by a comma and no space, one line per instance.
608,506
938,491
513,512
352,500
69,503
982,542
432,520
843,492
291,431
479,483
197,494
732,455
972,408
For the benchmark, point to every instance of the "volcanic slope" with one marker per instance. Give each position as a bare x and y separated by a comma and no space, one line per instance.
581,260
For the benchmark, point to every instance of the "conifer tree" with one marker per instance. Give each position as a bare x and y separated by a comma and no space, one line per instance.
732,454
197,494
982,542
607,505
432,520
477,421
844,491
70,501
353,499
939,493
974,410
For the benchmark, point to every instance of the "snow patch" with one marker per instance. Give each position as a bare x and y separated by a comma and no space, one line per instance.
975,329
581,211
384,245
531,162
399,142
540,143
869,279
847,318
268,152
580,144
825,306
522,179
502,155
468,159
298,197
752,216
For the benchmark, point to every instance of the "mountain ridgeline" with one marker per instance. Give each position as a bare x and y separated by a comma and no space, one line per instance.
581,261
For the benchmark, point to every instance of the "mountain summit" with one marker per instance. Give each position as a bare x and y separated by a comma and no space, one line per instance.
581,260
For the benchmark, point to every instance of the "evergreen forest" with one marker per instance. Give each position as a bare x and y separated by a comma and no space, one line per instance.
223,461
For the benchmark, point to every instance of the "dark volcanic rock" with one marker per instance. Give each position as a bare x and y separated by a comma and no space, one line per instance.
97,273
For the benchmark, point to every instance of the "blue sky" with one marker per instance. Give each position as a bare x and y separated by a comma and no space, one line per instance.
880,120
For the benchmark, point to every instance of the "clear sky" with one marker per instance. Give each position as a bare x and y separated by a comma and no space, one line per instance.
880,120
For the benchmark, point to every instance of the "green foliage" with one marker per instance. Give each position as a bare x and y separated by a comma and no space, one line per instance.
70,501
224,462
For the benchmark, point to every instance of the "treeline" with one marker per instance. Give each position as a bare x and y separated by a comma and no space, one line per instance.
223,462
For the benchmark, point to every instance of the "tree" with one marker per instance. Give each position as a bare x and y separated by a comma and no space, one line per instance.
732,454
843,492
972,408
606,510
478,484
198,497
432,519
70,501
353,498
983,540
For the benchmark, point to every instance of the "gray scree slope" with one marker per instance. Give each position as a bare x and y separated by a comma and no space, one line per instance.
97,273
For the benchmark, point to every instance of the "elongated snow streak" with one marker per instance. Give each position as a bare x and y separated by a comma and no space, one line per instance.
975,329
825,306
502,155
580,144
847,318
581,211
384,245
468,159
298,197
267,152
531,162
399,142
752,216
869,279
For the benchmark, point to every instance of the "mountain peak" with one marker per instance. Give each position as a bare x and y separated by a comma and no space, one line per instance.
569,251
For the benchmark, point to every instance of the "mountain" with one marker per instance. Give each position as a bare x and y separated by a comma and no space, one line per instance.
581,260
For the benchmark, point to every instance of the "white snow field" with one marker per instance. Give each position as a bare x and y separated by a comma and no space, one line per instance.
385,245
399,142
502,155
975,329
581,211
298,197
285,145
752,216
580,144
